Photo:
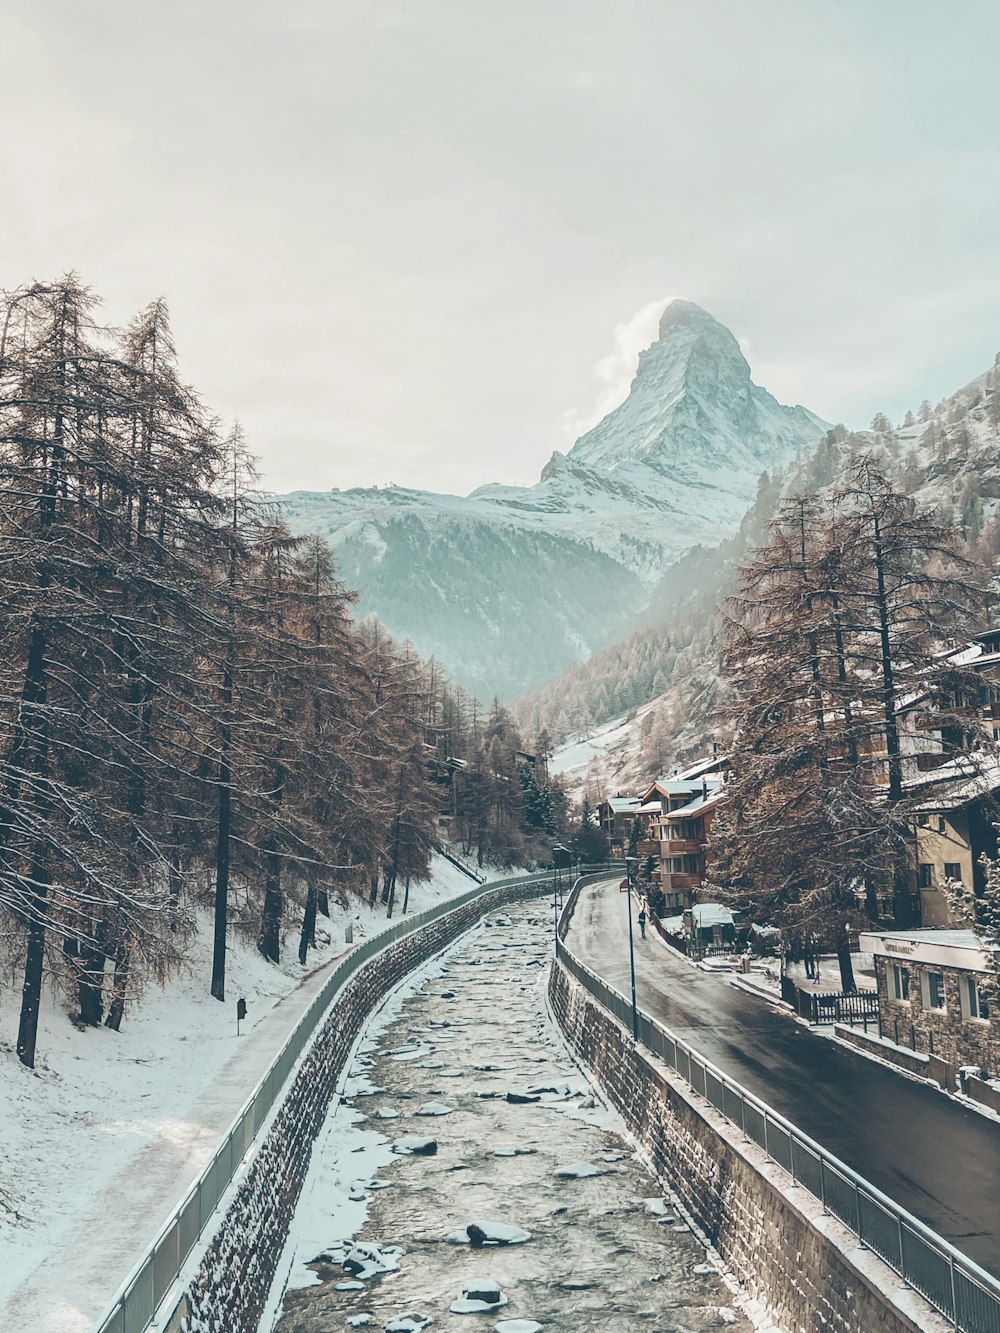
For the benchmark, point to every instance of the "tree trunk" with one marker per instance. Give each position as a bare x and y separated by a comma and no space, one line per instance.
323,904
307,939
269,941
31,991
892,748
406,895
222,877
90,988
847,982
119,988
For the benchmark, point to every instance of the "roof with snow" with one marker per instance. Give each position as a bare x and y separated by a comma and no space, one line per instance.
705,915
675,786
957,786
945,946
953,938
624,805
701,802
651,808
712,764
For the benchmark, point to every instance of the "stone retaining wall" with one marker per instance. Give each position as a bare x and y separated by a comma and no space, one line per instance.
927,1066
231,1287
807,1270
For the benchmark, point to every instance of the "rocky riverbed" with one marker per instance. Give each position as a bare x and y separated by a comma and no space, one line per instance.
470,1179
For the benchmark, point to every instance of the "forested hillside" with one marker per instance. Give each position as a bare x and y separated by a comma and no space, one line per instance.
192,722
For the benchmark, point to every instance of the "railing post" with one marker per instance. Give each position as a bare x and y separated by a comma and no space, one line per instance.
767,1150
902,1261
857,1216
954,1302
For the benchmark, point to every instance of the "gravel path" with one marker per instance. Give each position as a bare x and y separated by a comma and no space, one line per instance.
606,1249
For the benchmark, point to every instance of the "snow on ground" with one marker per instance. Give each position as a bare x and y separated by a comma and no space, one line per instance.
605,754
164,1089
578,754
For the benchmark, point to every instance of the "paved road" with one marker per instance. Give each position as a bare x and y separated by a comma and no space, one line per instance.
932,1155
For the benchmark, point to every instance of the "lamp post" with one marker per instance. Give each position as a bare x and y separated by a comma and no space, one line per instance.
630,862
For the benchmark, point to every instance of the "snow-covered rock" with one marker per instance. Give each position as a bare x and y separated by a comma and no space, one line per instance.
577,1171
409,1322
365,1260
480,1297
434,1108
415,1146
488,1232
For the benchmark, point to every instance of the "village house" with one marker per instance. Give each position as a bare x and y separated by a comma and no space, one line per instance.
618,817
935,989
676,815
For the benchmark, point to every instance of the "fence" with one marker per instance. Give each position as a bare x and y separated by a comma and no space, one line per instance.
950,1281
840,1007
140,1296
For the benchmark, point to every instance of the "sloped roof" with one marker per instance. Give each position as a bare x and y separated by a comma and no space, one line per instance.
700,803
703,766
625,805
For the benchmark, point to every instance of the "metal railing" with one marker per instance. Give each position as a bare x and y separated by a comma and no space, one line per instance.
139,1297
950,1281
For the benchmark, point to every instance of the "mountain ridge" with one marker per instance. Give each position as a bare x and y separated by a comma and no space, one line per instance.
510,584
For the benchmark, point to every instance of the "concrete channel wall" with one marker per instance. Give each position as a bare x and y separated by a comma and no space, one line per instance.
804,1268
229,1291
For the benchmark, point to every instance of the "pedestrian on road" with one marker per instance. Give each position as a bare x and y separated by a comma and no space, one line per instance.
642,922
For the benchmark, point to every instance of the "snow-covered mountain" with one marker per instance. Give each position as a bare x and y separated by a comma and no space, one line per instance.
646,703
509,585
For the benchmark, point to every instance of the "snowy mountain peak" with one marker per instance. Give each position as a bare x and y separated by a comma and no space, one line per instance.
693,404
679,315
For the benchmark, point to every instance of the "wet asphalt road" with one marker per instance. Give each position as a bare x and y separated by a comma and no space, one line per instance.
930,1154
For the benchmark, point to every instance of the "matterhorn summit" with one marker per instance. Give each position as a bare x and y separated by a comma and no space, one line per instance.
693,406
511,584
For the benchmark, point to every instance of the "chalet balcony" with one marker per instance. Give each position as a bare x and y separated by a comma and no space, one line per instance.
680,883
681,847
671,847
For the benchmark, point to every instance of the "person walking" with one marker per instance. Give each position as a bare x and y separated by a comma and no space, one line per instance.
642,922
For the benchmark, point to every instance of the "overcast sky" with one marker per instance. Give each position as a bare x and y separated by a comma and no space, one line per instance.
422,240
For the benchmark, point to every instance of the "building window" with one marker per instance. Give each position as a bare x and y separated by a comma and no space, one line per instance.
900,982
933,996
940,823
925,875
952,870
973,1004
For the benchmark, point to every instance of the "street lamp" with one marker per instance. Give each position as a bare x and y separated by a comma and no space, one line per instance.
560,860
630,864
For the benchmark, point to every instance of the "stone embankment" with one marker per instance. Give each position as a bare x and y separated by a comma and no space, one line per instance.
800,1264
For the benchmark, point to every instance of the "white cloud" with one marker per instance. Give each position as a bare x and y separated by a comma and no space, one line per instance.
616,371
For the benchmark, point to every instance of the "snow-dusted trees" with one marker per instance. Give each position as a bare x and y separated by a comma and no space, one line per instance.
189,719
838,683
107,534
